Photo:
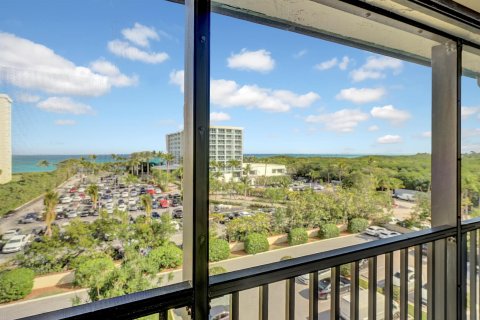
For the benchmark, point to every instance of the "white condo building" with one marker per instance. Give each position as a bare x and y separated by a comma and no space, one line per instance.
226,144
5,138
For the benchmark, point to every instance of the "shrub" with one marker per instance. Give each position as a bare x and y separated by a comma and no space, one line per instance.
345,270
167,256
216,270
93,272
357,225
297,236
15,284
328,230
218,249
256,243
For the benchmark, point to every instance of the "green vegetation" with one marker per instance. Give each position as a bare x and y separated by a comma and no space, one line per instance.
164,257
297,236
256,243
92,273
216,270
357,225
328,230
239,228
218,249
15,284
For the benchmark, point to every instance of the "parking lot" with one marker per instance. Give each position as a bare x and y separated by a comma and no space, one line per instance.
74,202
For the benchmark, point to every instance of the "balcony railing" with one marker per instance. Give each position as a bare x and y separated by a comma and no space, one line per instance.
407,246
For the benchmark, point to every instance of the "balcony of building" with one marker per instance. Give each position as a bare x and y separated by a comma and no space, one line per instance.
442,34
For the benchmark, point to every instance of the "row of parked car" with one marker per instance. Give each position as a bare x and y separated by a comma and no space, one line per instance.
13,241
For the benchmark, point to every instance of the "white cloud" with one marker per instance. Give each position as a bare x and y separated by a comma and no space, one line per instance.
325,65
219,116
300,54
343,65
344,120
362,95
64,105
30,65
375,68
65,122
389,139
177,78
373,128
140,34
111,71
259,60
125,50
27,98
227,93
388,112
469,111
426,134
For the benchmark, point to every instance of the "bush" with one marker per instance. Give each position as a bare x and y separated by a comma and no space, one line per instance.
92,273
328,230
216,270
167,256
345,270
218,249
297,236
357,225
256,243
15,284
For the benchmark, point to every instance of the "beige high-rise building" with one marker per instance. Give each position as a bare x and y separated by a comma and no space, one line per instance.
5,138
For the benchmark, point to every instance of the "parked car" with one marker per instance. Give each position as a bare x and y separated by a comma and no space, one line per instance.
304,279
363,306
66,200
374,231
122,207
324,287
155,215
177,213
15,244
410,277
29,218
385,234
9,234
72,214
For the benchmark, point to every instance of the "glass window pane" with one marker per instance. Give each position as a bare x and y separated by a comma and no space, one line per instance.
90,190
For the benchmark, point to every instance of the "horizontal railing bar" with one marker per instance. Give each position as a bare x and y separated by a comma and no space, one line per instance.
256,276
128,306
470,225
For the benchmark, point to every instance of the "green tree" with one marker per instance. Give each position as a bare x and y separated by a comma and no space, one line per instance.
92,191
50,201
146,201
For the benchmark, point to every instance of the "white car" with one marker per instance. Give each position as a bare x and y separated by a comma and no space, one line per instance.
132,202
76,199
410,277
374,231
58,209
67,200
81,189
133,193
109,210
388,234
158,190
10,234
72,214
109,205
15,244
176,225
125,194
116,194
122,207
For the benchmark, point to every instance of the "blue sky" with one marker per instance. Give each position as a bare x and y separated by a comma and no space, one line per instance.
104,77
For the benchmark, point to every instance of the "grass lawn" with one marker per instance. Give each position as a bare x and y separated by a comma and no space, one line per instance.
27,186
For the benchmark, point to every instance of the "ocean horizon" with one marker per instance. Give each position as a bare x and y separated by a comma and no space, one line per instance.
29,163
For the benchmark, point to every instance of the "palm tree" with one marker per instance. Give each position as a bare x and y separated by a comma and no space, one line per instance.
168,157
50,201
92,191
246,177
146,201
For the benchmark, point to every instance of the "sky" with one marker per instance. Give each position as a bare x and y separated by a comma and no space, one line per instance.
106,77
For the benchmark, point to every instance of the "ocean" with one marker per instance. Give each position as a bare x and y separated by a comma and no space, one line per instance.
29,163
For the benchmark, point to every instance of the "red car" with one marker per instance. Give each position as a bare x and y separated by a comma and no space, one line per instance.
164,203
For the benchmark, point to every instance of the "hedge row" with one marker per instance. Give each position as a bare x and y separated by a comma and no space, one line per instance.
256,243
15,284
297,236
